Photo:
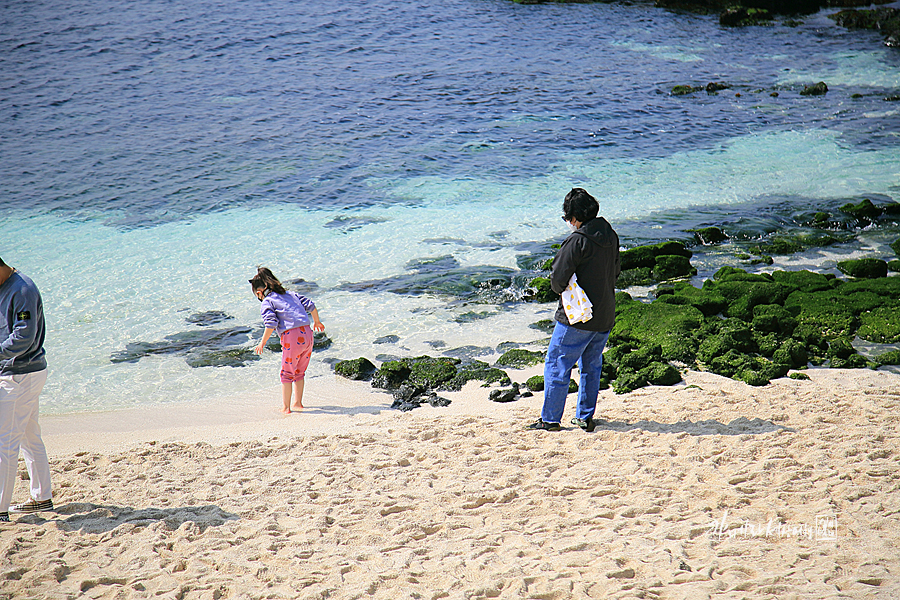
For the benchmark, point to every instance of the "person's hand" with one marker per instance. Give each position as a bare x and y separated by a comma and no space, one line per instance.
259,348
318,326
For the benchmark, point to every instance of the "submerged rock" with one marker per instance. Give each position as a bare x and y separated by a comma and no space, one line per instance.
321,341
210,317
544,325
445,277
203,348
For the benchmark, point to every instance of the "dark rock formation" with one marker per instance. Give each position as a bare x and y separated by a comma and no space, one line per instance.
883,19
816,89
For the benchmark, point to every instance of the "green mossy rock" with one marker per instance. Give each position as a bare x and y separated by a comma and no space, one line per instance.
791,353
708,301
816,89
661,373
683,90
729,273
670,326
636,258
805,281
391,375
773,318
865,211
360,369
630,381
645,256
542,292
783,245
632,277
891,357
519,358
536,383
708,236
866,268
753,370
744,296
840,348
894,266
721,337
431,373
818,318
854,361
895,246
799,376
672,266
767,343
778,245
639,358
476,370
881,325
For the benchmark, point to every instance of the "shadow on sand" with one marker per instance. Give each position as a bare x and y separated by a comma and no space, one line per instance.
96,518
739,426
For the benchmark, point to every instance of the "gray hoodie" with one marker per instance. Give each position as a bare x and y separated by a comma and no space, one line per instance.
21,327
592,253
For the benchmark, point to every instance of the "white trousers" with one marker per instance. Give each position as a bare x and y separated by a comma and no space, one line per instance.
19,429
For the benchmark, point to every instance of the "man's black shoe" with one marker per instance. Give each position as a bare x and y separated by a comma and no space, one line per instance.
586,424
540,425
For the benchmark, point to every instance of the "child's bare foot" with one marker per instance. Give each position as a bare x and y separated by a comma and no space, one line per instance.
285,411
297,407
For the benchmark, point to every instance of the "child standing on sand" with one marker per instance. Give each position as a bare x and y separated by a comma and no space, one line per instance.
287,313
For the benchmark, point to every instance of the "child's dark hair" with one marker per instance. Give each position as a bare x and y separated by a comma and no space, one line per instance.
264,279
580,205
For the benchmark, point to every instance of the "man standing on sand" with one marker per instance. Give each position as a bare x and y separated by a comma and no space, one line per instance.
23,372
591,254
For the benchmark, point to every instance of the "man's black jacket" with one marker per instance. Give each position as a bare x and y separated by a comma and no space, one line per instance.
592,253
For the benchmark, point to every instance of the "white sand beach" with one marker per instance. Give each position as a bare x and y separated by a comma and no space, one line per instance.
708,489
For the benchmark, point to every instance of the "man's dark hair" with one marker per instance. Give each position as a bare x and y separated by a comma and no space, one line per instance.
2,264
580,205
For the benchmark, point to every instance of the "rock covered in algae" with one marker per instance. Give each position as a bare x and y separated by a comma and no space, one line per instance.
413,381
519,358
867,268
360,369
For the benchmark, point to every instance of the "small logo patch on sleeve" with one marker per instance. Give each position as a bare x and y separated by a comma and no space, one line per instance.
23,316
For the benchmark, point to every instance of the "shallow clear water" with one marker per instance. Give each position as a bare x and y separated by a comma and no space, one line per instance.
152,155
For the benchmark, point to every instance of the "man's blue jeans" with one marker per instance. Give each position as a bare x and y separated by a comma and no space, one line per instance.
569,346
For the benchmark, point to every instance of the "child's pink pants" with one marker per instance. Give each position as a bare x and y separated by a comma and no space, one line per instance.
296,348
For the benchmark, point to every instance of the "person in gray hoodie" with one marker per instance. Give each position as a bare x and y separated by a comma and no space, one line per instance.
591,252
23,372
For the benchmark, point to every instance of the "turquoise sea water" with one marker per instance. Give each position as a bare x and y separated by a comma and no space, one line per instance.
151,156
